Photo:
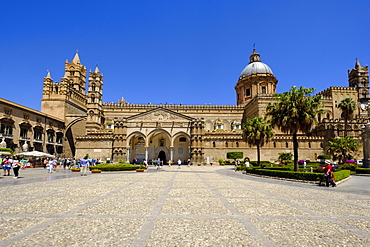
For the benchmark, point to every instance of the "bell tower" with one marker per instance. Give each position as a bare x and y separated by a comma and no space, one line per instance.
95,115
359,78
60,99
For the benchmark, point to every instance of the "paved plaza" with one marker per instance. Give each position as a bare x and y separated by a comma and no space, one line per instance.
191,206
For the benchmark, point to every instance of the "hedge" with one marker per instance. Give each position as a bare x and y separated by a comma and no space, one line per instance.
234,155
114,167
324,157
339,175
363,170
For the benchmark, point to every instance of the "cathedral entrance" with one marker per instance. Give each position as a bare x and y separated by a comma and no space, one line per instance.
162,157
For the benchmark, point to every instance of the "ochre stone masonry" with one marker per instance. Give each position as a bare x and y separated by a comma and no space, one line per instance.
200,133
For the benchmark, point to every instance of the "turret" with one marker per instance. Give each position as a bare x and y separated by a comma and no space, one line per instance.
95,116
359,78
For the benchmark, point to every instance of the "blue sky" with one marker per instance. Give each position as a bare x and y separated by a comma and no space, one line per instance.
188,52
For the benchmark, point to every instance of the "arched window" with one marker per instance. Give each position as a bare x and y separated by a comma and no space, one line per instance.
219,125
237,144
226,144
214,144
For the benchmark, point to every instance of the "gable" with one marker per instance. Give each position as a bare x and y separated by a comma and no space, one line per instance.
160,114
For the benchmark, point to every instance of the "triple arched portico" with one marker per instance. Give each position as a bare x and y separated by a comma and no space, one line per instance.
158,133
158,143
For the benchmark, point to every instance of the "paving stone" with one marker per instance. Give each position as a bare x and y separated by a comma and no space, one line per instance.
191,206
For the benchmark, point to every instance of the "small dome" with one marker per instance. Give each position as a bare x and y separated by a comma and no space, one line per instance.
255,66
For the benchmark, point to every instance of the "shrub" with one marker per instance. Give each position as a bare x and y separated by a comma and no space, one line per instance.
349,166
114,167
221,161
263,163
234,155
7,150
324,157
314,176
363,170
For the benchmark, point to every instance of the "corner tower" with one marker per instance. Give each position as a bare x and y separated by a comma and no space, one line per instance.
68,96
256,78
359,78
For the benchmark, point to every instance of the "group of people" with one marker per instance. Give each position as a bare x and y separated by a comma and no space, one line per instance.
82,164
11,164
159,163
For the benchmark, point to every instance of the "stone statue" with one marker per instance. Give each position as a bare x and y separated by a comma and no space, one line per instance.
25,147
3,144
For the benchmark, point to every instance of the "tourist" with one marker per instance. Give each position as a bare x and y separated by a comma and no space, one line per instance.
7,164
145,163
329,174
247,164
179,163
50,165
84,164
16,164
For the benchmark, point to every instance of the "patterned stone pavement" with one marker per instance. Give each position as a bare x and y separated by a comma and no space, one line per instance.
191,206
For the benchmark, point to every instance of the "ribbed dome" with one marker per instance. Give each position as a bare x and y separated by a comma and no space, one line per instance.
255,66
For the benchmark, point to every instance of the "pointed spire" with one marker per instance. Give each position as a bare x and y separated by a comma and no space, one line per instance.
357,65
96,69
48,75
76,59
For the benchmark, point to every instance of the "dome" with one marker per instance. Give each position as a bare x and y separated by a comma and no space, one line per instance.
255,66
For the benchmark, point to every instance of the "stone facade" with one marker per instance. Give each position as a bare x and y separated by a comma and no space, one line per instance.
201,133
23,129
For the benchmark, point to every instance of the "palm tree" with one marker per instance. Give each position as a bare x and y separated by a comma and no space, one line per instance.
343,148
347,106
257,131
295,111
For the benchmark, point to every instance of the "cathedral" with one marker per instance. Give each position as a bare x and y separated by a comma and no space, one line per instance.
125,131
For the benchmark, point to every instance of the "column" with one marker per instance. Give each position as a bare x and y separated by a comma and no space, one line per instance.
128,155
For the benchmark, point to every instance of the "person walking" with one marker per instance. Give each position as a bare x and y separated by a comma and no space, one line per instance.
7,165
179,163
16,165
329,174
50,165
84,164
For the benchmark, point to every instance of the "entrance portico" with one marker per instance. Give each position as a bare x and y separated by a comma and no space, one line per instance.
159,133
158,144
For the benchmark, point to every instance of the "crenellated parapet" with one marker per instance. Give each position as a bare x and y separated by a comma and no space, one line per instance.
328,93
173,107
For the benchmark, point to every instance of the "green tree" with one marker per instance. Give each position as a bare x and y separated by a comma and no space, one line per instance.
347,106
257,132
285,157
343,148
295,111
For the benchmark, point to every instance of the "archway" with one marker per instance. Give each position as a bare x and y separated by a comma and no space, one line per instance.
162,156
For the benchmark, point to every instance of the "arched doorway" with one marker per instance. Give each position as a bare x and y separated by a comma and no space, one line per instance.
162,156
